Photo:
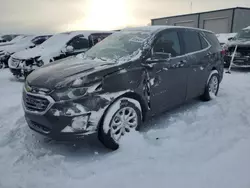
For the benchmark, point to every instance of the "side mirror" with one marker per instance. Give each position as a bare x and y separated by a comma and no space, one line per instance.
69,49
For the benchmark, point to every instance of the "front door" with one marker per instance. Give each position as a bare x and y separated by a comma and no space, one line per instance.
167,76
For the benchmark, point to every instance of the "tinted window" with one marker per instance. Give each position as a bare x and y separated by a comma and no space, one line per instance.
79,42
204,43
95,38
192,41
168,43
39,40
212,39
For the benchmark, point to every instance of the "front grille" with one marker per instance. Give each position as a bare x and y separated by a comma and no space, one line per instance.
242,63
29,62
242,51
35,103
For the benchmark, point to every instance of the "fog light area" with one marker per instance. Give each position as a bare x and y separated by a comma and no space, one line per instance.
80,123
74,110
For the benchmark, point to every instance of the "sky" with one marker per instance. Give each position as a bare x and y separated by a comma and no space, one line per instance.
50,16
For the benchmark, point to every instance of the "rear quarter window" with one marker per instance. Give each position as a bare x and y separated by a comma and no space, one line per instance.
204,43
212,39
191,40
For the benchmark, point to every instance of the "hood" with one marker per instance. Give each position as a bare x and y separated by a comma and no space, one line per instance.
6,43
17,47
62,73
38,51
239,42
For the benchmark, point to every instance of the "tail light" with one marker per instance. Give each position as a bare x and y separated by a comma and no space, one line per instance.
223,52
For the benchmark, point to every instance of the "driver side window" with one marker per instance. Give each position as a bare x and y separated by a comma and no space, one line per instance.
79,42
169,43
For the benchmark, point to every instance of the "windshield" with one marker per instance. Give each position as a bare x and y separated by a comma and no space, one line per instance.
118,45
24,40
244,34
8,37
16,39
57,40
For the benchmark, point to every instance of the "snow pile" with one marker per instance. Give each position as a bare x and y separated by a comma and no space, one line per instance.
223,37
198,145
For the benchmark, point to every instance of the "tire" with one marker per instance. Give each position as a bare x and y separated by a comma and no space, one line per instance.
109,132
1,65
212,88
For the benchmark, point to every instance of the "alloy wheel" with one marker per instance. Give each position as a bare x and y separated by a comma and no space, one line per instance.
124,120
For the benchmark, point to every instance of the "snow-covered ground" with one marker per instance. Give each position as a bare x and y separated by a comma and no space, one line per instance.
200,145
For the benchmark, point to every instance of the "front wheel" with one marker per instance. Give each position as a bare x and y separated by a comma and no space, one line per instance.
212,86
121,117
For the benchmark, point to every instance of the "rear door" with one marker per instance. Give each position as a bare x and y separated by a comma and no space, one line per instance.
196,49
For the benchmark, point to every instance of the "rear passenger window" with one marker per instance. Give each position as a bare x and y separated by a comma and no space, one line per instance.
192,41
168,43
204,43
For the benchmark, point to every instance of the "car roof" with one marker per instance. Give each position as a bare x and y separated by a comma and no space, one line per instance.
158,28
86,33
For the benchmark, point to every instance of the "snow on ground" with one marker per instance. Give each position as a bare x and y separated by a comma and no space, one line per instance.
200,145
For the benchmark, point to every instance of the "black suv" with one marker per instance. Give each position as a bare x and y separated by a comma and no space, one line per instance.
122,81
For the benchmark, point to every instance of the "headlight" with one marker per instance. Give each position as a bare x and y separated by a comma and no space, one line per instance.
27,87
39,62
70,93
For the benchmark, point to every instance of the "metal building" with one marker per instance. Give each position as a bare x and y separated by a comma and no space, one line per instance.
219,21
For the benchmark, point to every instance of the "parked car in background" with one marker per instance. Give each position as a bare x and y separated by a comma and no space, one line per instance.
25,43
57,47
13,41
120,82
225,37
7,38
242,53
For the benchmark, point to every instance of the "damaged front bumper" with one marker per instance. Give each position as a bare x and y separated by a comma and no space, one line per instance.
63,120
4,59
239,61
19,67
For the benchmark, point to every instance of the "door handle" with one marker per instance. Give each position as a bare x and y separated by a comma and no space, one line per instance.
183,61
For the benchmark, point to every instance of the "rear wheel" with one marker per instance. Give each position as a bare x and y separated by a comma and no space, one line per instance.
212,86
122,117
